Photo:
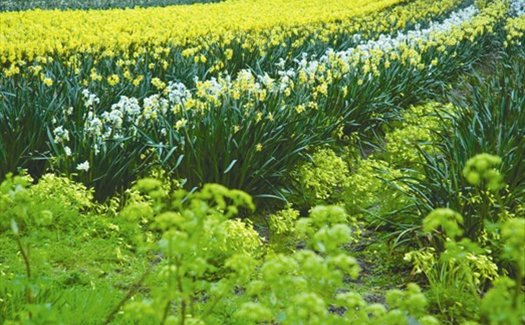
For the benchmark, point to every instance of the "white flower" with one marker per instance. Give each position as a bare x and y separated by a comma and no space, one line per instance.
89,98
518,7
126,105
387,43
281,63
177,93
151,107
67,150
61,134
83,166
114,117
266,80
93,125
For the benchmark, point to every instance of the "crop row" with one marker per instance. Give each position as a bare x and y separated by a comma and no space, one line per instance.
248,130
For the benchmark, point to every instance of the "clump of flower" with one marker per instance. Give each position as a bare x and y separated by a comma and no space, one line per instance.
482,169
446,219
323,179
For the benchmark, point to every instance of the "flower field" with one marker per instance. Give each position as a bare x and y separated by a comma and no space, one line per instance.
12,5
262,162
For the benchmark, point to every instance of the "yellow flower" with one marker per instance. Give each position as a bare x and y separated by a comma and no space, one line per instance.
259,147
229,54
159,84
299,108
107,33
48,82
258,117
127,75
181,123
95,76
113,80
136,82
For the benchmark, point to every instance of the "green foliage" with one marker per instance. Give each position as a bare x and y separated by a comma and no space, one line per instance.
316,272
416,131
488,119
458,270
513,235
282,232
503,303
376,193
58,258
64,190
197,241
447,219
322,179
199,263
482,168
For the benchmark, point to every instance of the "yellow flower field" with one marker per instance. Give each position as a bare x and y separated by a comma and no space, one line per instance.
28,34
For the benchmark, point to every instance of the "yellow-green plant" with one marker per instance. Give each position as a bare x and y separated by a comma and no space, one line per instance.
503,303
192,285
458,269
418,130
321,180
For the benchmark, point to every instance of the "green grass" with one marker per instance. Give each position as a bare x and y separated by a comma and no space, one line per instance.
80,272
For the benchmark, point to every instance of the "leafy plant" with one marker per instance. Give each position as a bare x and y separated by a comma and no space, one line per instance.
490,119
322,179
456,267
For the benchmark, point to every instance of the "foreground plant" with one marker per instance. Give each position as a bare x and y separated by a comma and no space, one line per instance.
458,269
216,270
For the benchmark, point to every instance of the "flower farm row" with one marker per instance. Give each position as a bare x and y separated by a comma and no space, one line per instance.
12,5
242,126
136,143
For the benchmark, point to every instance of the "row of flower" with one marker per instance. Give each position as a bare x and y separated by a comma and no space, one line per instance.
119,65
34,104
30,34
246,131
14,5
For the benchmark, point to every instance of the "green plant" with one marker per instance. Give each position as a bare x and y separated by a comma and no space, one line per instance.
416,131
459,267
282,236
488,118
375,193
321,180
55,245
457,271
318,271
503,303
